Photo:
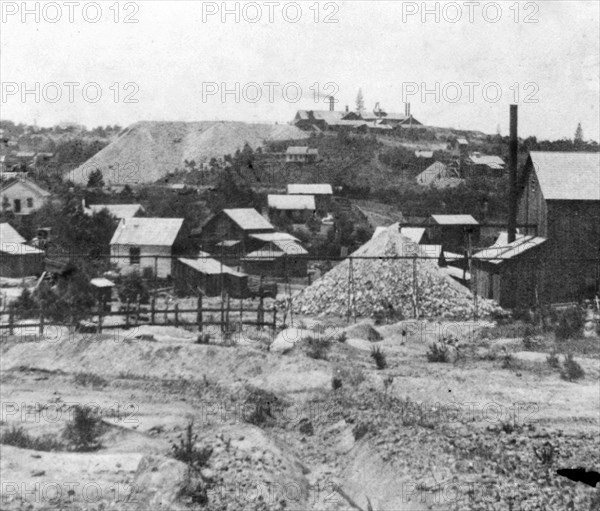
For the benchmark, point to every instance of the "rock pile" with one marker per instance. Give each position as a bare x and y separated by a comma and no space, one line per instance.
384,287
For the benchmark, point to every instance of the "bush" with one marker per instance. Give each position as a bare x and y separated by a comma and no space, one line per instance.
263,406
438,352
204,338
336,383
570,324
571,370
18,437
317,348
553,360
530,343
89,380
379,357
187,452
83,431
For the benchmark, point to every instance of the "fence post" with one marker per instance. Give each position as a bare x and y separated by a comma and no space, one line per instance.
127,313
228,308
100,316
241,314
152,310
176,315
41,322
137,312
415,289
11,322
199,313
260,314
274,320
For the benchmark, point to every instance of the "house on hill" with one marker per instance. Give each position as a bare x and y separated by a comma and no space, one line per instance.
17,259
23,196
234,226
560,194
485,165
119,211
439,175
145,243
297,154
322,193
295,208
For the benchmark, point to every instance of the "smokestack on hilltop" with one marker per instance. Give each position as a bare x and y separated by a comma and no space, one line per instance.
513,155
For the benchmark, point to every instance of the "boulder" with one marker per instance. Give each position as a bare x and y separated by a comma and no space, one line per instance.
288,338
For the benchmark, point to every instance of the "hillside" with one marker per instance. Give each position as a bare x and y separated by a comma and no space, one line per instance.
147,151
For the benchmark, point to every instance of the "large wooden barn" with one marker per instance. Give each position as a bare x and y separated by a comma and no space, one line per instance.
560,193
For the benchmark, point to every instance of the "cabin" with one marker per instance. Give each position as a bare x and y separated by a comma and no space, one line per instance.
509,273
454,232
279,258
232,225
209,277
23,196
316,119
439,175
322,193
301,155
140,243
459,147
296,209
479,164
559,193
17,259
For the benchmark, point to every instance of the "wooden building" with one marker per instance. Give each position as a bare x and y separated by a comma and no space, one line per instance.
235,225
560,194
453,232
301,155
23,196
140,243
510,273
17,259
297,209
208,276
280,258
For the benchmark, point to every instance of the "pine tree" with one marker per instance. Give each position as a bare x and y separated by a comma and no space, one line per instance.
96,179
360,101
579,134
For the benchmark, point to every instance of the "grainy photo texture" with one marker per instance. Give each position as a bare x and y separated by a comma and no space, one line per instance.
300,255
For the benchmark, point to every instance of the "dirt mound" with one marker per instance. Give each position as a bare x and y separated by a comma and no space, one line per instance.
363,330
384,287
147,151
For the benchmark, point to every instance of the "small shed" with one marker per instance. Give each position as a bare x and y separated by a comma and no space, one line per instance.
17,259
296,208
278,258
510,273
453,232
104,289
209,276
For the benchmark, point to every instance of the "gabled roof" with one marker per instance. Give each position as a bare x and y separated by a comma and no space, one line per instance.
248,219
301,150
568,176
276,249
313,189
454,220
274,236
320,115
491,161
291,202
30,185
497,254
119,211
424,154
147,231
462,141
210,266
9,235
11,242
435,171
413,233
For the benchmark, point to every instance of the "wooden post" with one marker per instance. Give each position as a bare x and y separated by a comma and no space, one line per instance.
127,313
222,311
100,316
41,322
241,313
415,296
228,308
274,320
153,310
199,313
176,314
260,314
137,312
11,322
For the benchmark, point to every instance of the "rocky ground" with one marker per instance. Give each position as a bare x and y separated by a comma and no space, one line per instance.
311,424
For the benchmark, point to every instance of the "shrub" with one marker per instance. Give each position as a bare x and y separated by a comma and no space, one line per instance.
263,406
360,430
438,352
317,348
571,370
354,375
529,341
89,380
187,452
18,437
83,431
204,338
553,360
379,357
570,324
336,383
507,360
342,337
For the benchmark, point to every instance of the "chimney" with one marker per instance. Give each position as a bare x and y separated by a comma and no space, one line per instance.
331,103
513,160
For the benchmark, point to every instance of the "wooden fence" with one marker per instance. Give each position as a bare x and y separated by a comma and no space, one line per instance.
228,317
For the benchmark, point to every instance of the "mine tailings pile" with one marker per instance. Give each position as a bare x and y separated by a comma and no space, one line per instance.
374,287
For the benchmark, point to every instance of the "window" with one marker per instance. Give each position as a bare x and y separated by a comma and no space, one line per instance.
134,255
29,202
17,207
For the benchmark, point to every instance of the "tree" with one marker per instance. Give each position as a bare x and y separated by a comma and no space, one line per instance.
96,179
579,134
360,101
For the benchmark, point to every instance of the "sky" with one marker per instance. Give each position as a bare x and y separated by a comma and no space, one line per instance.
459,64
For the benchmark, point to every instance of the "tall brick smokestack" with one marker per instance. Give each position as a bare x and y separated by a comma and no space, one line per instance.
513,162
331,103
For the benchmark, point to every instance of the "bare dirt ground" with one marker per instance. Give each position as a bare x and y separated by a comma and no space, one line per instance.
326,433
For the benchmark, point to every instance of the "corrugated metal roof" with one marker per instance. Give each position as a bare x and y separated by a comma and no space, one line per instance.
119,211
248,219
485,159
424,154
301,150
147,231
9,235
568,176
497,254
274,236
455,220
462,141
290,247
435,171
102,283
210,266
291,202
310,189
